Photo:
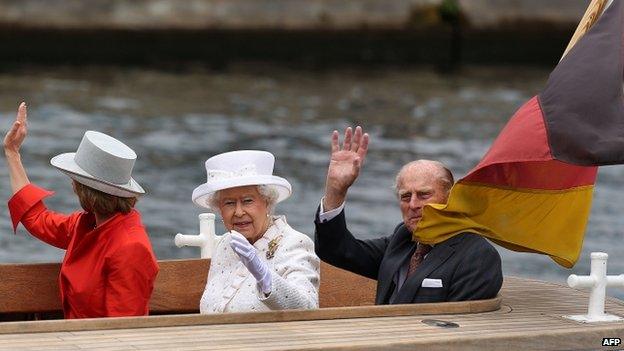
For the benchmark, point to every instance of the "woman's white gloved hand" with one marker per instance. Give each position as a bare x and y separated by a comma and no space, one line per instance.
249,256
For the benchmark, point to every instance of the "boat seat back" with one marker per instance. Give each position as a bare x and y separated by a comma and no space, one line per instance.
33,288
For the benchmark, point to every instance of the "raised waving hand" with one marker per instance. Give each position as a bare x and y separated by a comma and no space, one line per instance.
12,143
17,133
344,165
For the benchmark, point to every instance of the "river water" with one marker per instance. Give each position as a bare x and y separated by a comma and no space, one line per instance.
176,119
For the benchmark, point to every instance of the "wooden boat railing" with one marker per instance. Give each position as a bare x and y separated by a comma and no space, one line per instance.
33,288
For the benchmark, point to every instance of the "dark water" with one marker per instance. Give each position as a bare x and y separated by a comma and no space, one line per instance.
176,120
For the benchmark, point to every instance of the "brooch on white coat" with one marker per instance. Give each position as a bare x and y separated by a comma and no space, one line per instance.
273,244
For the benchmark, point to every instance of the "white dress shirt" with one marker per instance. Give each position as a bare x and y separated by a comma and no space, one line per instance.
331,214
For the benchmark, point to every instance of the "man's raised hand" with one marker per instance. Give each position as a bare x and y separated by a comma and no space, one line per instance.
344,165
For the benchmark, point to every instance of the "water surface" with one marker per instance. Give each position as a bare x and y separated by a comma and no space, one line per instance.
176,120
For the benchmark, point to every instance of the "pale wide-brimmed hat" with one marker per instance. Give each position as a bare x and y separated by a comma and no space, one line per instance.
240,168
102,163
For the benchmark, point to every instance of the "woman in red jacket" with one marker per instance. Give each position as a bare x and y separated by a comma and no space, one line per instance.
109,267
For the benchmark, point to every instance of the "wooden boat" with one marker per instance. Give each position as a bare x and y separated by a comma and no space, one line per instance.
526,315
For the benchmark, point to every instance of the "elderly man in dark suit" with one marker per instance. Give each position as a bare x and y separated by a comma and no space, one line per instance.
464,267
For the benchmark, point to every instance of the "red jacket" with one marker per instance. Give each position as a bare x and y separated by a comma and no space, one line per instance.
107,271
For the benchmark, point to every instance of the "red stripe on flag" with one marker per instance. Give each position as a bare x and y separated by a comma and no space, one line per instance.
520,157
543,175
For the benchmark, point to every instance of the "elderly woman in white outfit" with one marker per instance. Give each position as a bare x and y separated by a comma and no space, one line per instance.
262,263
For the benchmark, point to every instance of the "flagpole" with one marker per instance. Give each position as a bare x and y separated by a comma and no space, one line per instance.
593,12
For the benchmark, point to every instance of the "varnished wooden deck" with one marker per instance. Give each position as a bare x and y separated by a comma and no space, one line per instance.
529,318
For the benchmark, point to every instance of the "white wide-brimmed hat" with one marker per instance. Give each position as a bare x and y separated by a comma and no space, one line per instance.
240,168
102,163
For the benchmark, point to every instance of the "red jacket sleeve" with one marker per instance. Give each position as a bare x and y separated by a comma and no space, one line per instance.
26,206
131,272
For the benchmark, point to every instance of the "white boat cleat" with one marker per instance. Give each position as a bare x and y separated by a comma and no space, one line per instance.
206,239
598,281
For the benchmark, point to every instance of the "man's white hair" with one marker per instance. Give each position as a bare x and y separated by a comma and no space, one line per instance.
443,174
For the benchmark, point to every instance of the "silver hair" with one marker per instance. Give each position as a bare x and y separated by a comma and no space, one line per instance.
445,176
268,193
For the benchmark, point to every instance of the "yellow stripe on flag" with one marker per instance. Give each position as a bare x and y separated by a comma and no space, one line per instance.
550,222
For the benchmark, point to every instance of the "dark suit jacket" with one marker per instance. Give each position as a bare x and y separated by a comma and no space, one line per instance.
467,264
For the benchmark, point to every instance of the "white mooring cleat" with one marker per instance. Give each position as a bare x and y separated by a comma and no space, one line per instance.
598,281
206,239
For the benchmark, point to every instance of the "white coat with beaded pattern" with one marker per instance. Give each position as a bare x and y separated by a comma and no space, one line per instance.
294,271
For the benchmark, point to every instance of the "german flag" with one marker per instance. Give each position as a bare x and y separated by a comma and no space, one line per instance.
532,191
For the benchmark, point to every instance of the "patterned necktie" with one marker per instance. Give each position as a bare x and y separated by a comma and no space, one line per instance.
417,258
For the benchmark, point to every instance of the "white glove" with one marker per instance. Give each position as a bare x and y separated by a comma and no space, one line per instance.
249,256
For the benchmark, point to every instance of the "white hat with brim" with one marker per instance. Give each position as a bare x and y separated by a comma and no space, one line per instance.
102,163
240,168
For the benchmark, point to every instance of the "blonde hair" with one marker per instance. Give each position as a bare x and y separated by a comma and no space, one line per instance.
95,201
